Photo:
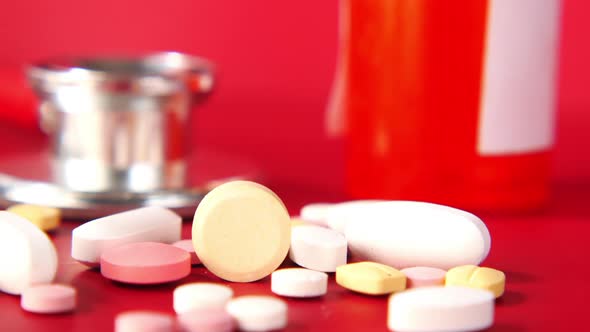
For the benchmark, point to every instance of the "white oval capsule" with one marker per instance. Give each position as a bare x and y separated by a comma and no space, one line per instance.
27,255
404,234
338,216
439,309
148,224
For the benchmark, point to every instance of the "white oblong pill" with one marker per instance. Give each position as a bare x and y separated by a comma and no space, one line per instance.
27,255
297,282
406,233
200,295
338,216
258,313
315,213
148,224
317,248
434,309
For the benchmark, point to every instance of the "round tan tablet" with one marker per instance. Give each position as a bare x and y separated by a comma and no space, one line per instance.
241,231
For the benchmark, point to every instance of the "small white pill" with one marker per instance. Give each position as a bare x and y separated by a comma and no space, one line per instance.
144,321
258,313
200,295
315,213
440,309
297,282
148,224
49,299
317,248
338,216
27,255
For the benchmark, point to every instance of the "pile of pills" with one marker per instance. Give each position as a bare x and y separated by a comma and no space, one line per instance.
424,256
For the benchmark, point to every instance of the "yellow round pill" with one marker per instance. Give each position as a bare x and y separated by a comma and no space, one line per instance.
45,218
241,231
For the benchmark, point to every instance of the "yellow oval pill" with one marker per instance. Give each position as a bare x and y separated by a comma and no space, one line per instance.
45,218
477,277
370,278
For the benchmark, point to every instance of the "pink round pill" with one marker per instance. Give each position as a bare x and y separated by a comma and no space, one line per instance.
188,246
49,299
145,263
144,321
206,320
421,276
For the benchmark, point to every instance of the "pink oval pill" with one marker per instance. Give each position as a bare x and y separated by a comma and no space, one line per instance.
206,320
145,263
421,276
188,246
49,299
144,321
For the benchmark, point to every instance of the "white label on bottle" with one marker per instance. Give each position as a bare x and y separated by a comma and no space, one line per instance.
519,77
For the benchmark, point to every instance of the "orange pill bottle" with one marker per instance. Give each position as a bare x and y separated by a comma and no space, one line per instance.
450,101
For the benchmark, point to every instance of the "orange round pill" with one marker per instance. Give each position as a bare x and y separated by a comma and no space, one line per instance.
145,263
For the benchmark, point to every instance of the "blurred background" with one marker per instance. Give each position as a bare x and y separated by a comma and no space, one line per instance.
275,62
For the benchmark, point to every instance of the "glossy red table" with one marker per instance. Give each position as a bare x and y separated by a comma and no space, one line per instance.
543,255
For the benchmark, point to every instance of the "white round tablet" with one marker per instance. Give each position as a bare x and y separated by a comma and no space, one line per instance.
441,309
144,321
241,231
405,233
315,213
297,282
258,313
200,295
27,255
49,299
317,248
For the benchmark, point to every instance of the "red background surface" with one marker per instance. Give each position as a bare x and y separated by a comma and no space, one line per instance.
276,61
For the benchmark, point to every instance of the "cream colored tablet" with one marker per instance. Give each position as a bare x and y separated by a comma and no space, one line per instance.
27,255
45,218
370,278
477,277
241,231
148,224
